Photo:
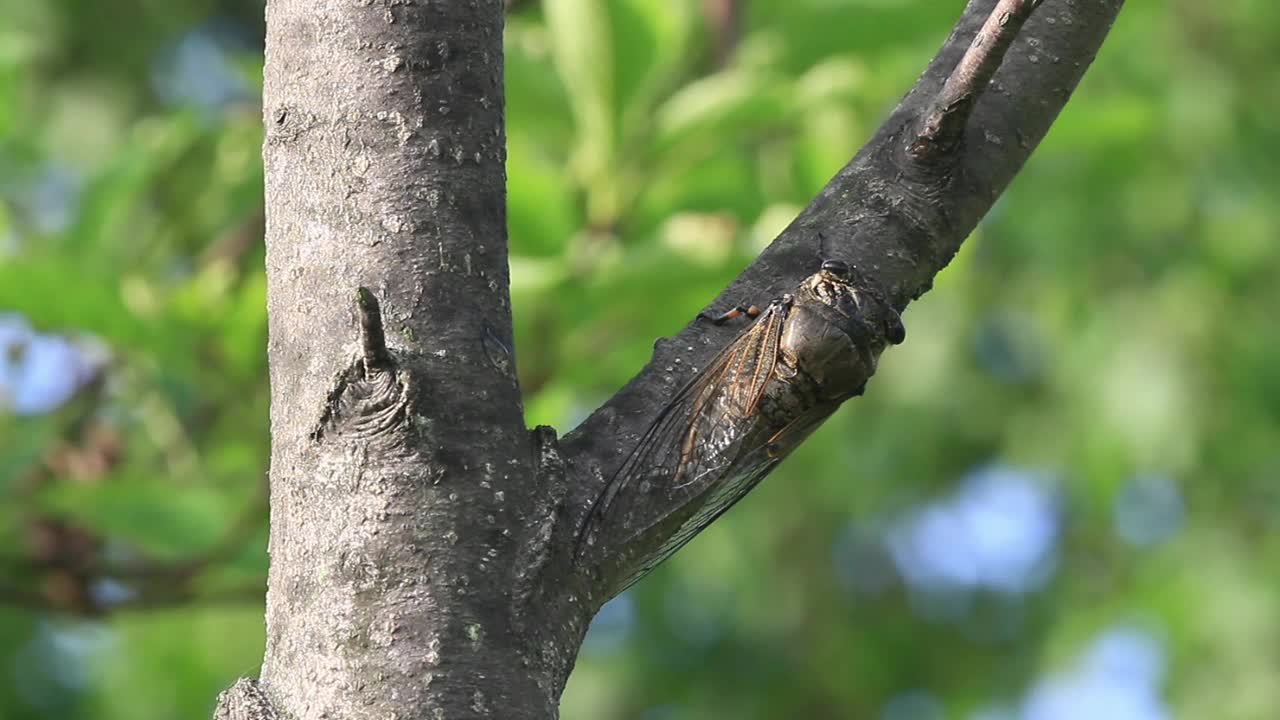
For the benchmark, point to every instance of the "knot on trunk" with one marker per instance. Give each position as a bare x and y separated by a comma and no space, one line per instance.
369,400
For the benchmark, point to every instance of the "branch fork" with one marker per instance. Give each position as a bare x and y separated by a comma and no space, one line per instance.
440,579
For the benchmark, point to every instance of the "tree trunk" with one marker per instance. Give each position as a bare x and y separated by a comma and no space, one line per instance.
426,555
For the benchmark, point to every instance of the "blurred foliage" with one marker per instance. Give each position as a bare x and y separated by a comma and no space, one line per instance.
1067,473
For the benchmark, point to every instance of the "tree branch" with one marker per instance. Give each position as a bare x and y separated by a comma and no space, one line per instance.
898,211
944,122
724,18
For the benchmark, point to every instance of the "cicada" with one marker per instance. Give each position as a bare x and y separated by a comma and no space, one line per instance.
805,354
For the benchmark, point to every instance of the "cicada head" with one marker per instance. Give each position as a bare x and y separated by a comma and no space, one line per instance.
837,270
834,285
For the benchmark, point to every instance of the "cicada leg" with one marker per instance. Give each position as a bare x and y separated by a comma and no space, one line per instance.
750,311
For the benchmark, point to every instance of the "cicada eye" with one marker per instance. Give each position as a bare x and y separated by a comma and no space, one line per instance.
838,268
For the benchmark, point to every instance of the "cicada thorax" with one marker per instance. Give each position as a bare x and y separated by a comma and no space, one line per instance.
828,345
824,347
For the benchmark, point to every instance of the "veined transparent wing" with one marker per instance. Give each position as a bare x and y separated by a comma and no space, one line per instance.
695,436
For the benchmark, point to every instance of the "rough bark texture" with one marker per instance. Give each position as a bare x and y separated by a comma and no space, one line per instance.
421,539
401,486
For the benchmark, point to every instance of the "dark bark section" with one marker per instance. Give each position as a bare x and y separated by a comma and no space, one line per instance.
897,212
402,477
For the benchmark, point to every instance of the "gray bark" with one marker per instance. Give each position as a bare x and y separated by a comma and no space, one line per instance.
422,540
401,486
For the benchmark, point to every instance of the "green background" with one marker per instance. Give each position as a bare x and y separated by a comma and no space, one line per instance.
1058,499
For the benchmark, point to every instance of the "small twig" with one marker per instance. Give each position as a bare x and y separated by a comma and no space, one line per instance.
234,539
146,599
371,332
725,20
232,245
142,576
244,594
943,123
20,597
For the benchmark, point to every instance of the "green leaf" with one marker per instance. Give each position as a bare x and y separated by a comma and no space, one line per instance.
539,207
651,41
582,46
731,103
57,293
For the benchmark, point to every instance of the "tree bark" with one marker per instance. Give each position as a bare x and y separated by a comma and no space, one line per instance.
402,477
423,560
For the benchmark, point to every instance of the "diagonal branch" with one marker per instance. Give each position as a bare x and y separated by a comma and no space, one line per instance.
898,211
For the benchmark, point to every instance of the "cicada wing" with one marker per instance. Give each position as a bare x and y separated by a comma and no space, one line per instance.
731,401
758,452
755,456
695,433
